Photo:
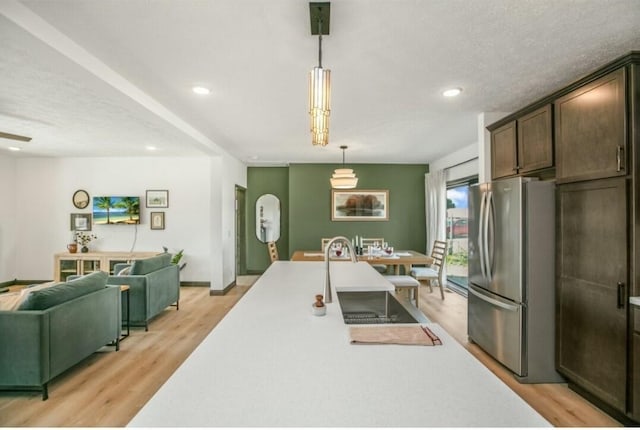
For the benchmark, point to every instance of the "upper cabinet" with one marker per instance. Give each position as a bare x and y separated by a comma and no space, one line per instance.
504,159
590,130
523,145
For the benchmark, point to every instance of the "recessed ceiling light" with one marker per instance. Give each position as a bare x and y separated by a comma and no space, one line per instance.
203,91
452,92
13,148
151,148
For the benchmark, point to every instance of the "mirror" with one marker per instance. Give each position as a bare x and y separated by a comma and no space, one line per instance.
268,218
80,199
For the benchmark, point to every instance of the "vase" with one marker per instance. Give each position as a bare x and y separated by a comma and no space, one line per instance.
73,248
84,249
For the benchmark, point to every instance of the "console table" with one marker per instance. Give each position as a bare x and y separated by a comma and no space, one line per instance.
81,263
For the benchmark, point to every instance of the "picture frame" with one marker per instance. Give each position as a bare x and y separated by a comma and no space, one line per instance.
360,205
157,198
156,219
80,222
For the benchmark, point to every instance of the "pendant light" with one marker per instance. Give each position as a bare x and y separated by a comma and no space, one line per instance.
343,179
319,78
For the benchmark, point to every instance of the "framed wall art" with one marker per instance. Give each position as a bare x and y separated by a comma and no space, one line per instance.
360,205
80,222
157,198
157,220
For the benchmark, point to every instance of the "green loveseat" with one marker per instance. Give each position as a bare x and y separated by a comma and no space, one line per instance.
56,327
154,284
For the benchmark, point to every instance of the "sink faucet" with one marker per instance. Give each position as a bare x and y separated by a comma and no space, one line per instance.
352,254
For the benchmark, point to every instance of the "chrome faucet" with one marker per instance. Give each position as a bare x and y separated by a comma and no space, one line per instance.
327,284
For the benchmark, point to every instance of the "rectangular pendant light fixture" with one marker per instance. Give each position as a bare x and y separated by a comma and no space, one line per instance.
319,78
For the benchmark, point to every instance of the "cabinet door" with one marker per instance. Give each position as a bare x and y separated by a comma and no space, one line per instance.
503,151
535,142
590,130
65,268
635,364
592,255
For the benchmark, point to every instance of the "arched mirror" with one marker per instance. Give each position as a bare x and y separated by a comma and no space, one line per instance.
268,218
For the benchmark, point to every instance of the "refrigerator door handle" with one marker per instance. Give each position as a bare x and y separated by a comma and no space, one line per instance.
481,234
494,302
488,218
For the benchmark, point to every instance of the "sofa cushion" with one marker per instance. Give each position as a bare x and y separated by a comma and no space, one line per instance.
60,293
151,264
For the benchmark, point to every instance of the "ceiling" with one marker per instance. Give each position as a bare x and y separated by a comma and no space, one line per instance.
113,78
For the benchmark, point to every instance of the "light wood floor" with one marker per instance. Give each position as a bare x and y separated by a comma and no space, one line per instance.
109,388
556,402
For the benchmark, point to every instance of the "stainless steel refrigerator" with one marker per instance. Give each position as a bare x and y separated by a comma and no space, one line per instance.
511,306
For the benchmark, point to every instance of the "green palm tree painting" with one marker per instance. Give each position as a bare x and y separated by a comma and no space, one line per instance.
116,210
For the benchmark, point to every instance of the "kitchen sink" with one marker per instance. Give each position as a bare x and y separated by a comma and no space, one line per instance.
378,307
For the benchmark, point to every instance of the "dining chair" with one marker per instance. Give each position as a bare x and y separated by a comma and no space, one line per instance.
433,273
323,243
371,241
273,251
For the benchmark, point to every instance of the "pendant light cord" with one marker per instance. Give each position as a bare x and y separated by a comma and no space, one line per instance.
320,43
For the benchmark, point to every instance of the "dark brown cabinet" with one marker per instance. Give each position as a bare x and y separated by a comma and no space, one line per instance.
590,130
635,364
504,159
523,145
535,141
591,285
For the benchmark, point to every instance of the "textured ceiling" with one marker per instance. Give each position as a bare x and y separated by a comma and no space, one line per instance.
109,78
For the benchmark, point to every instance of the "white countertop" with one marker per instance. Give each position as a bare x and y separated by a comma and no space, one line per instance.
271,363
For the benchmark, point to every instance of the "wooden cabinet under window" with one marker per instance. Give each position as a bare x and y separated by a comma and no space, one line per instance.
591,138
66,264
523,145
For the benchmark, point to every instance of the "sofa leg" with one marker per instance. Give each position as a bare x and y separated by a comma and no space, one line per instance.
45,392
146,326
178,305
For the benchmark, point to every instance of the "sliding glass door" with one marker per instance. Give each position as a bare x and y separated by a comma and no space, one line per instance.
458,231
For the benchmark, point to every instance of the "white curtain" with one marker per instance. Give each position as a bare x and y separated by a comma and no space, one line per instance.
435,186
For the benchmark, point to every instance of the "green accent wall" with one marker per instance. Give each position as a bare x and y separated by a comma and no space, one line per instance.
305,195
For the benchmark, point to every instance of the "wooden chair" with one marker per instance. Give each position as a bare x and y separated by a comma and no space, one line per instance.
434,273
273,251
370,241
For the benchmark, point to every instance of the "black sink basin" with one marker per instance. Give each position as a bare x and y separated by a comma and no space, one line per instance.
378,307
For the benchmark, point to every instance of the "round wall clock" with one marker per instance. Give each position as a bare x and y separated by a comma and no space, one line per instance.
81,199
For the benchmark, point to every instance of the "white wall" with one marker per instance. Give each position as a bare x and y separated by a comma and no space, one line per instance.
8,233
192,220
465,161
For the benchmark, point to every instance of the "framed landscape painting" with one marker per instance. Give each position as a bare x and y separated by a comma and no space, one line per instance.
157,198
360,205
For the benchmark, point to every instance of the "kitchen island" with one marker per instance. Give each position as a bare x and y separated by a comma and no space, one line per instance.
271,363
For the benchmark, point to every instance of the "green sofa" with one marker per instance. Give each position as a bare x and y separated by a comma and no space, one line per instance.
154,284
55,328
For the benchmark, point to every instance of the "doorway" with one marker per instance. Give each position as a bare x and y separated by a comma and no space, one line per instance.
241,232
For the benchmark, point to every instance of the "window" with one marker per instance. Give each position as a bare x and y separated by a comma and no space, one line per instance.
458,231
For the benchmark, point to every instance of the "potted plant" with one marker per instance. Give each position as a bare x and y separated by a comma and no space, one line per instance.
83,239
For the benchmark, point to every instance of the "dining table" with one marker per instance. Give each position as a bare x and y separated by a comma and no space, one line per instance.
397,259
